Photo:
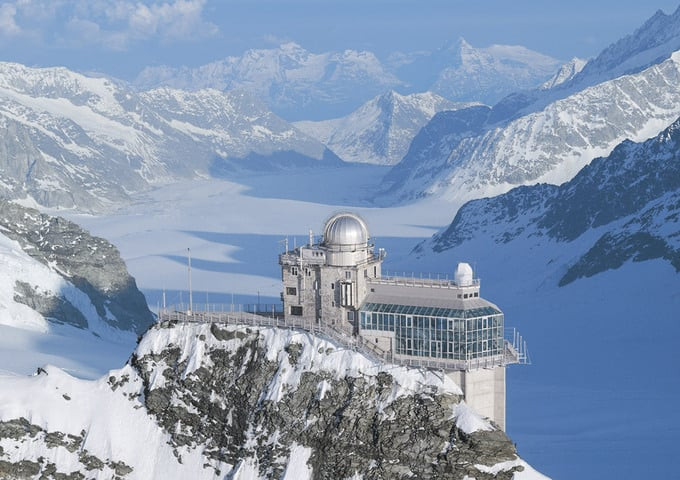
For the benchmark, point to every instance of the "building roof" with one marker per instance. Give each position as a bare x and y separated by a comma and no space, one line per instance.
426,300
345,229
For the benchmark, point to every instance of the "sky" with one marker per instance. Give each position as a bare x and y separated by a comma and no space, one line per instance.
121,37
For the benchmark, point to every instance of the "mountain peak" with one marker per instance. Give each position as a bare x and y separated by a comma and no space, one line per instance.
565,73
291,47
457,46
652,43
463,44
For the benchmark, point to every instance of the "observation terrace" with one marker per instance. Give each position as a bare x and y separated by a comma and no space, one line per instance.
514,351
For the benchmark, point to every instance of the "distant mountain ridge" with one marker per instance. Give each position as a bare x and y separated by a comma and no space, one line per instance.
630,199
292,79
491,72
381,130
545,134
652,43
69,140
300,85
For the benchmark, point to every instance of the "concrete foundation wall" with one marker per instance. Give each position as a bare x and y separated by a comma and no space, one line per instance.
484,391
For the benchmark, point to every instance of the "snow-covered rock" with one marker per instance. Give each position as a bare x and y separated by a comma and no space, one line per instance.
652,43
631,90
631,199
565,73
467,155
70,140
206,401
54,272
381,130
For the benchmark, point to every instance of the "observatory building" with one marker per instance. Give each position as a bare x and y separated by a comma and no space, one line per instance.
337,285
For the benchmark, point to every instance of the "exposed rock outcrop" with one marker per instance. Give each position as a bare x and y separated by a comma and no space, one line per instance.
89,263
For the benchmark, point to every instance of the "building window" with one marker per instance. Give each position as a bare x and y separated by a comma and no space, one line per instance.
296,310
332,286
476,294
348,275
365,273
291,291
293,270
350,316
375,272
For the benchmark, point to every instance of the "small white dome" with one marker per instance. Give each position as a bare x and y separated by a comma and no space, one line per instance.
345,229
464,275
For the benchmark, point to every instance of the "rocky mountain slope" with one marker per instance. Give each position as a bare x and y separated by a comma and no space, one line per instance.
566,72
629,201
247,403
381,130
70,140
54,272
463,155
629,91
650,44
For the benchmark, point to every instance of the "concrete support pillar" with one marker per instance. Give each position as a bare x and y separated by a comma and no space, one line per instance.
484,391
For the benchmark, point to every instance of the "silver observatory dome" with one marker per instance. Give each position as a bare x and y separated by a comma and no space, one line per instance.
345,230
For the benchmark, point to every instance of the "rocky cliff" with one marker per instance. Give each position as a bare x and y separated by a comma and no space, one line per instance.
66,275
217,401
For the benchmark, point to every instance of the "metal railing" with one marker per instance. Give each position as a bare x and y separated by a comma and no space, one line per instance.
514,351
420,281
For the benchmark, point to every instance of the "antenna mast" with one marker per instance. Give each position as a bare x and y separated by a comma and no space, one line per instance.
191,299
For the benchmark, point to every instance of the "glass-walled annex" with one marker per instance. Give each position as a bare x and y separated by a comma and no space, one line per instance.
438,332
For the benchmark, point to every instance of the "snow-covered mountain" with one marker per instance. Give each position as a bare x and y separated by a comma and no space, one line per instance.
300,85
590,271
565,73
296,83
488,74
208,401
381,130
461,72
652,43
53,272
70,140
631,198
467,154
